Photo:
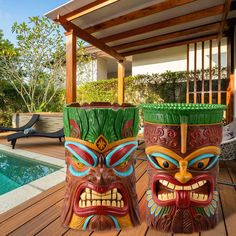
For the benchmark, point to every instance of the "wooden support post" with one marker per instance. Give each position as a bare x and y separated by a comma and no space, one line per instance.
187,75
195,75
229,100
70,67
203,71
210,73
121,75
219,73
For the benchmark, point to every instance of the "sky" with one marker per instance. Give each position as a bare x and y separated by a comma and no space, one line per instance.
19,10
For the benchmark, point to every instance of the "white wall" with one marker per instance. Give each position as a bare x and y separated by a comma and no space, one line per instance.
86,72
101,69
175,59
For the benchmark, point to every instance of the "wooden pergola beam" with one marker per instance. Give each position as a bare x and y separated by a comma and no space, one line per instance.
159,38
70,67
93,6
69,26
169,45
224,18
159,7
212,11
121,76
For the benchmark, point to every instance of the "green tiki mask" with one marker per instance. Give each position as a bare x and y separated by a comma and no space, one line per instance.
182,143
100,143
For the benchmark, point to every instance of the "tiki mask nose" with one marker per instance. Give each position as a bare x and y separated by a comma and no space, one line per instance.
183,176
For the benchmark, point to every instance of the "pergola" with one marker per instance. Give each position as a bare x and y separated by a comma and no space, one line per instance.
124,28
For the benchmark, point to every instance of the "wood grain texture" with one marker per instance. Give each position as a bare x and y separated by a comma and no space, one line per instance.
166,23
70,67
93,6
121,76
187,76
195,75
174,35
203,72
210,73
68,26
41,214
219,73
134,15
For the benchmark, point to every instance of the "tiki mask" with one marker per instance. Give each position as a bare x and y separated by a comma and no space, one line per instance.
100,140
182,146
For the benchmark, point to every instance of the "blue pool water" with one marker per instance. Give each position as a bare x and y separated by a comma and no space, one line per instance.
18,171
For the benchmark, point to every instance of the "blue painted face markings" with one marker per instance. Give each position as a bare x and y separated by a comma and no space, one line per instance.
212,157
80,159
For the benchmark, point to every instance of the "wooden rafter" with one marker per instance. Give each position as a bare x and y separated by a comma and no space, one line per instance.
159,38
169,45
212,11
159,7
69,26
93,6
224,18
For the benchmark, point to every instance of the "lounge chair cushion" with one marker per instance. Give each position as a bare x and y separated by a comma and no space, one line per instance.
227,133
29,131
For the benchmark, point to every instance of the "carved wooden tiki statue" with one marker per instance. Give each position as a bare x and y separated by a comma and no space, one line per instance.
183,147
100,142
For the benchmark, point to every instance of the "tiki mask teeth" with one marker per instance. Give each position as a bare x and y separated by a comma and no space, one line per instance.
169,191
178,187
101,200
90,198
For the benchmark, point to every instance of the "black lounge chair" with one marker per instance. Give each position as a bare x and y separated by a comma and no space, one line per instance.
13,137
32,121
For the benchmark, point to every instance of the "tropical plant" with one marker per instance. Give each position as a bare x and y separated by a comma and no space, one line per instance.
36,69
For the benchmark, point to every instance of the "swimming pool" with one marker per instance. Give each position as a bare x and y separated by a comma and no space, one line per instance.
23,166
17,171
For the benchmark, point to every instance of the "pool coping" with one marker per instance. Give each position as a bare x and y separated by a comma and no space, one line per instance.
19,195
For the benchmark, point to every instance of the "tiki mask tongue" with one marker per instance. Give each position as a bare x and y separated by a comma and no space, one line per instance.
183,199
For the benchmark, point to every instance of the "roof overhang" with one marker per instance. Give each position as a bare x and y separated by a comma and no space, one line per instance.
123,28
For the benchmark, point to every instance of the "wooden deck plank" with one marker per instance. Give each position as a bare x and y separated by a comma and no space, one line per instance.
38,223
228,200
33,211
30,202
41,214
231,166
55,228
48,221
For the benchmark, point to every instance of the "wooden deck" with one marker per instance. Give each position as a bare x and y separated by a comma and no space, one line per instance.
41,215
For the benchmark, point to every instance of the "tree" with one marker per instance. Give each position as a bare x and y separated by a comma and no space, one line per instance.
36,67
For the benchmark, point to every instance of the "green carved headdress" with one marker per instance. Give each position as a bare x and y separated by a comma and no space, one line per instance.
177,113
113,122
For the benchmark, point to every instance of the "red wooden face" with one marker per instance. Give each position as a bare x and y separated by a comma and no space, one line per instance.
101,186
182,195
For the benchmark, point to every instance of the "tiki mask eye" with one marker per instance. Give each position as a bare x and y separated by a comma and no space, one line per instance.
82,154
83,158
164,164
125,163
203,162
162,161
118,158
77,163
200,165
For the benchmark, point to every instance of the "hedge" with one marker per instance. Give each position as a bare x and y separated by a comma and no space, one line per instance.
155,88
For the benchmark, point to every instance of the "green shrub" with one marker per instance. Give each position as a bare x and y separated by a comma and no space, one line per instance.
136,91
165,87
